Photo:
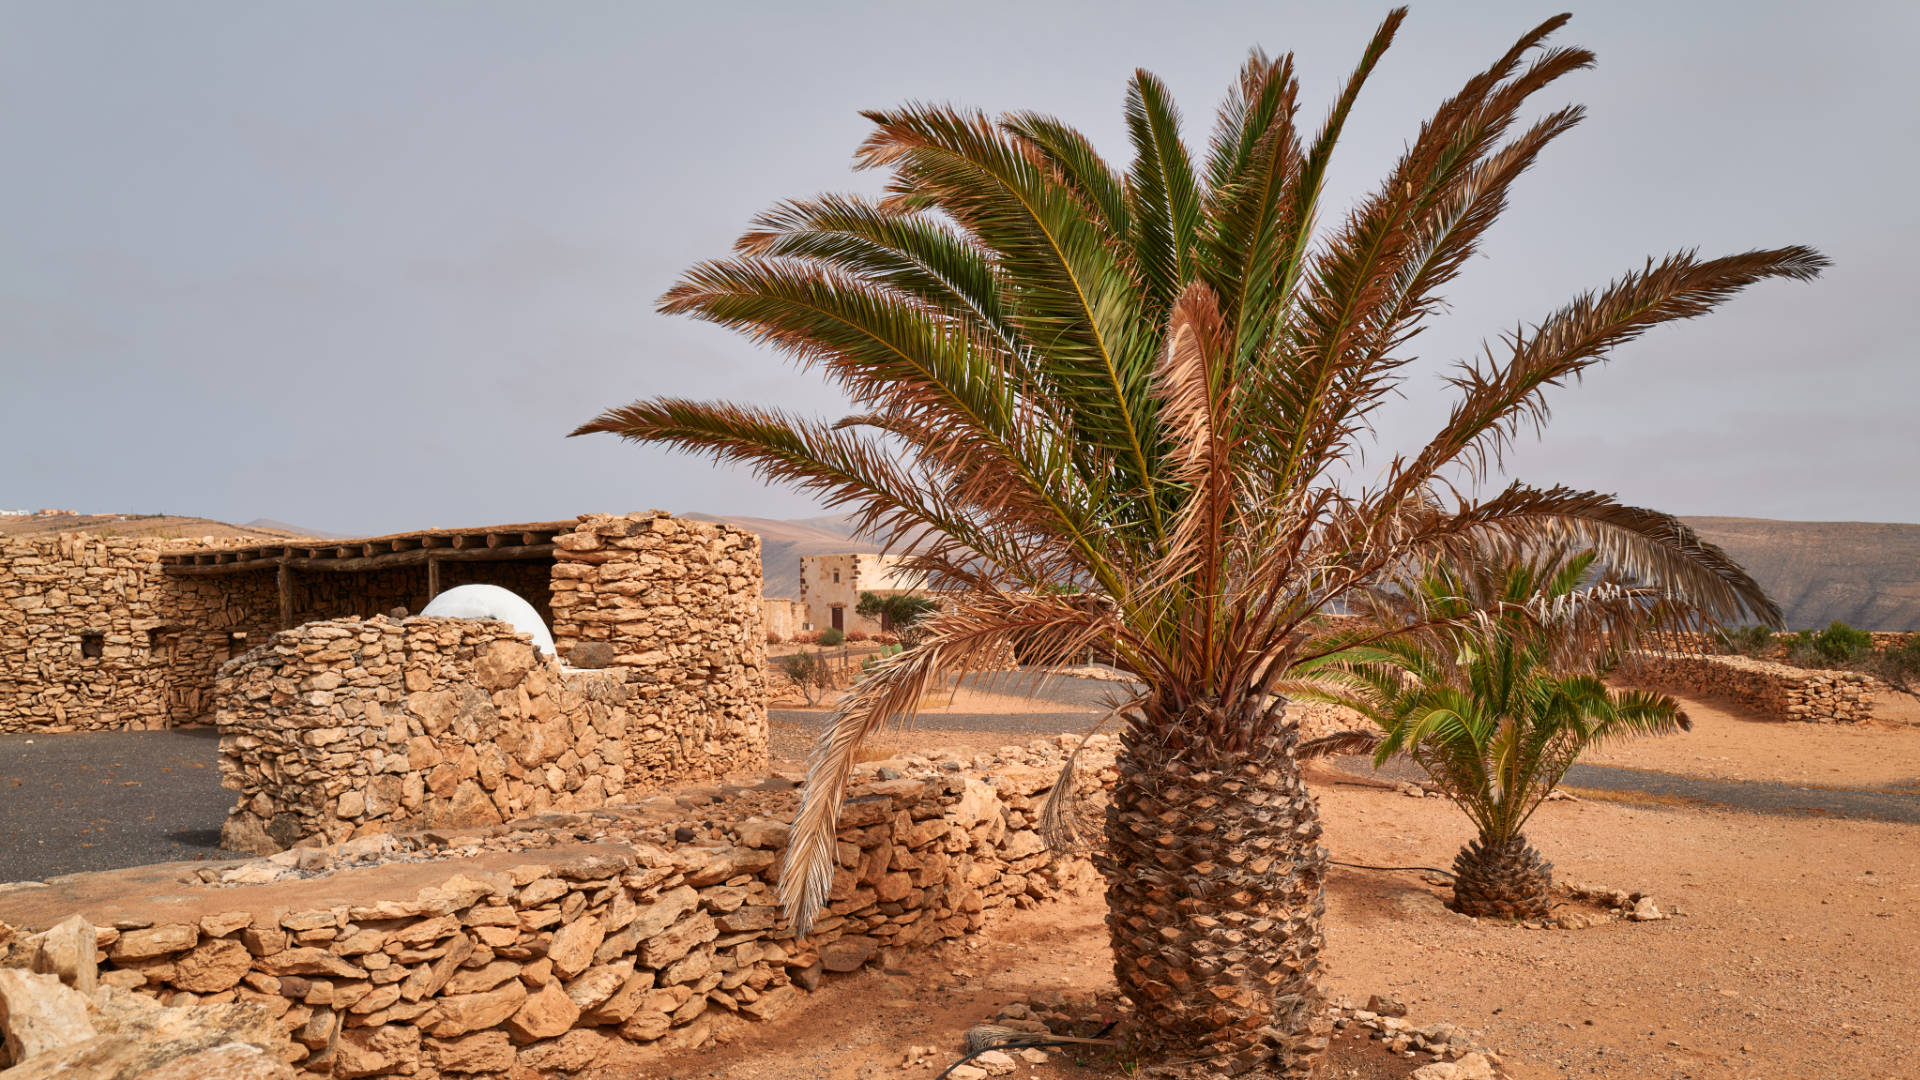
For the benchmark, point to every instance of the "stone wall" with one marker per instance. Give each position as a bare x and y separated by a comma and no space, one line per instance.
366,593
94,635
1778,691
345,728
782,618
676,602
535,954
67,597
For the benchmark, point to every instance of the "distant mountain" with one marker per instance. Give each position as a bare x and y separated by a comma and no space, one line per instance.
782,543
1866,574
165,526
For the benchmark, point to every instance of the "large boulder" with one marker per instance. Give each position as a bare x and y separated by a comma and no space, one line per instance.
53,1031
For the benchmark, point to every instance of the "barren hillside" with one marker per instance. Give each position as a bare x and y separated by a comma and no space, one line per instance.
1864,573
165,526
782,543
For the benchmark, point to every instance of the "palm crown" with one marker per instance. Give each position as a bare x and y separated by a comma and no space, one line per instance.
1504,694
1118,408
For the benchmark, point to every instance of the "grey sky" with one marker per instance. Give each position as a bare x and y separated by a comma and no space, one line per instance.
360,266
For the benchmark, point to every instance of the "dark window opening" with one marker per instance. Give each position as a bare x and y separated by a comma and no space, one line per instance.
93,643
236,643
836,577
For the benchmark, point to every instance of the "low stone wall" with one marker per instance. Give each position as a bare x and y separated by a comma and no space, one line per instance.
345,728
1778,691
531,951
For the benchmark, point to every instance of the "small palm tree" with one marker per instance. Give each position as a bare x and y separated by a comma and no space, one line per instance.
1502,695
901,613
1120,410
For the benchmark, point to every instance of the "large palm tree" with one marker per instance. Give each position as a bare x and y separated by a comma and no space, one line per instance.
1503,693
1121,410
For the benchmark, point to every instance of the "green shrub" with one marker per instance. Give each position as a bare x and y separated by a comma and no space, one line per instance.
1744,640
831,636
1837,645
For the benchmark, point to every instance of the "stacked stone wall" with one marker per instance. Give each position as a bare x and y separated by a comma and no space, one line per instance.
677,603
158,639
345,728
534,955
1777,691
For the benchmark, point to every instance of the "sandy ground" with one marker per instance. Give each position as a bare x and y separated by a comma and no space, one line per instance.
1731,743
1791,955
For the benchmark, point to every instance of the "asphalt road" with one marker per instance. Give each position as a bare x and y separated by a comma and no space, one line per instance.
101,800
105,800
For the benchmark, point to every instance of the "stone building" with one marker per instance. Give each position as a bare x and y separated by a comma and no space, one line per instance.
119,633
830,587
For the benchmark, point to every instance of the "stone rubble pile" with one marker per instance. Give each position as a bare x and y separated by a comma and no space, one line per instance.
1452,1052
598,947
1779,691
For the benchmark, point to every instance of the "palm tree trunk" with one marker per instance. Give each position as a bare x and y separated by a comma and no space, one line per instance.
1214,900
1502,879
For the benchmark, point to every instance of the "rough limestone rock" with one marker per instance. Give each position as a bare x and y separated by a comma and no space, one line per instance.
592,655
634,934
56,1032
38,1013
1469,1067
66,951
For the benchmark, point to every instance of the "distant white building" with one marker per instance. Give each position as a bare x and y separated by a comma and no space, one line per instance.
16,513
830,587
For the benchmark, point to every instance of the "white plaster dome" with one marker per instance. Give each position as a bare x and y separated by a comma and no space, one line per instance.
491,602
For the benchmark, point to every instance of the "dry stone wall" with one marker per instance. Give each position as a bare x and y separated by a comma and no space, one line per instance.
531,954
345,728
94,637
677,604
1778,691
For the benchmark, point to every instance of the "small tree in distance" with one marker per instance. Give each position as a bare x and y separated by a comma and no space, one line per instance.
810,672
900,613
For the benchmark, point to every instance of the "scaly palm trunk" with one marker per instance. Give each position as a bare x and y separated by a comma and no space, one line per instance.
1502,879
1214,899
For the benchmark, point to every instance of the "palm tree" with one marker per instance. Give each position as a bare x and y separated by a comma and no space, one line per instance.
1500,698
1122,410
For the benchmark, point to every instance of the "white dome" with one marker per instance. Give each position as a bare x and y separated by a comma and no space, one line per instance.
491,602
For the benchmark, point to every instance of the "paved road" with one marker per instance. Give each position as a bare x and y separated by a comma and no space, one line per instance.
101,800
104,800
1898,803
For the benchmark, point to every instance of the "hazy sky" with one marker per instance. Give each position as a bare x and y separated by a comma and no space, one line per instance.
360,266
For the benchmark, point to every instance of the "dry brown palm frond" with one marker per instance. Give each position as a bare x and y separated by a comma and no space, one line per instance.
1340,742
1060,810
956,638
